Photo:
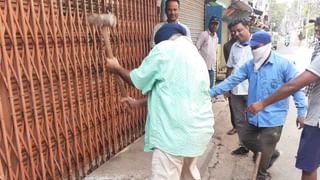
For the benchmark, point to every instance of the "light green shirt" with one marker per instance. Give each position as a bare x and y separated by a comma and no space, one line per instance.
180,118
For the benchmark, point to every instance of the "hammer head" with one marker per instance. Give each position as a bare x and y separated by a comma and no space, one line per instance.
108,20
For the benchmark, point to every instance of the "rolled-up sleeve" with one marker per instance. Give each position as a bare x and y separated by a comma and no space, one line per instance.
314,66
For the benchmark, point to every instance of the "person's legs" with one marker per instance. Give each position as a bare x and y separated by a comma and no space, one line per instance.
214,77
233,130
268,139
309,175
308,156
238,104
189,169
262,140
165,166
250,135
211,77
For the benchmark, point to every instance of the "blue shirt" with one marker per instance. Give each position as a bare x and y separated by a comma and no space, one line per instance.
270,77
180,118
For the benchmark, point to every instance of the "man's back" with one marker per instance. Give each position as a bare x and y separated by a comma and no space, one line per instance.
179,105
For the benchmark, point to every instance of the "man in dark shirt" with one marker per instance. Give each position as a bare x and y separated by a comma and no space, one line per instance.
227,46
226,52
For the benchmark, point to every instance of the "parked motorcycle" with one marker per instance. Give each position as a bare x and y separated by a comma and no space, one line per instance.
287,40
286,43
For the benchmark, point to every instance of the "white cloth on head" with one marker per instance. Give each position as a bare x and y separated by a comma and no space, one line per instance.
260,55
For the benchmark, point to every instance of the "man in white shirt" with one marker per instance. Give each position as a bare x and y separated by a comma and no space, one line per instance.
239,54
207,45
172,13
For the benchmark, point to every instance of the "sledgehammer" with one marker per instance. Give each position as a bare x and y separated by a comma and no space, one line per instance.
106,21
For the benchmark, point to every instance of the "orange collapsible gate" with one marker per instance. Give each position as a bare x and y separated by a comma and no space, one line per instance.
60,115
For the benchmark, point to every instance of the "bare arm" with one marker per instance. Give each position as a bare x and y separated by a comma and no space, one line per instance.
286,90
124,74
292,86
134,103
115,67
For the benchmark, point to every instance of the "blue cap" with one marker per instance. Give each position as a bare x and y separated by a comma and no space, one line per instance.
214,19
260,37
167,30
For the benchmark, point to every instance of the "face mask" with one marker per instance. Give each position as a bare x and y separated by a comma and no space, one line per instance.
260,55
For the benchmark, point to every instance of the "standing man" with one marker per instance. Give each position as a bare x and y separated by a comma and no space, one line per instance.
172,12
226,52
207,46
180,119
316,51
227,46
266,72
308,156
240,53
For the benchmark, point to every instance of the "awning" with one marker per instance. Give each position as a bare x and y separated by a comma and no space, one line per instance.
241,5
237,9
224,3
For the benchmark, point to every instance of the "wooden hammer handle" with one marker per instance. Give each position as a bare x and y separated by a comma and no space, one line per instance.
256,166
109,54
106,36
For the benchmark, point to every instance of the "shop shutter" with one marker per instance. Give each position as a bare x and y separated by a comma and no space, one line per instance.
192,15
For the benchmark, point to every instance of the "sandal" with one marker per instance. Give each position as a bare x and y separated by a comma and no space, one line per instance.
232,131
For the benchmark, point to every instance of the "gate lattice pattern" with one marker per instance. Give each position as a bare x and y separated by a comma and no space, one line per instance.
60,115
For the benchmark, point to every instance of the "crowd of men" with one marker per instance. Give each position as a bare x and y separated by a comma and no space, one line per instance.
177,78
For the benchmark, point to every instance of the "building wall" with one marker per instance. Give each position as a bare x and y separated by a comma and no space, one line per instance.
60,110
192,15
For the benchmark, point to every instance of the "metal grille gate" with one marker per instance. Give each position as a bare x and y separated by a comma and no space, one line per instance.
60,115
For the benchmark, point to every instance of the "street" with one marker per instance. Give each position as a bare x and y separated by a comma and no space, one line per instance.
223,165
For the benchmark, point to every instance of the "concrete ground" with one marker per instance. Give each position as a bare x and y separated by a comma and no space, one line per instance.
217,163
132,163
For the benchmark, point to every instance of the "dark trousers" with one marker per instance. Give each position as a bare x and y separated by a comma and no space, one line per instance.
231,114
238,107
212,77
261,139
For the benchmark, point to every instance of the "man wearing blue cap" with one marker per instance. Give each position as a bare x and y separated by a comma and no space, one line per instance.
207,45
266,73
308,156
180,119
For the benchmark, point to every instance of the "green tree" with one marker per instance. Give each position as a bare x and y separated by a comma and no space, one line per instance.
276,14
313,9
